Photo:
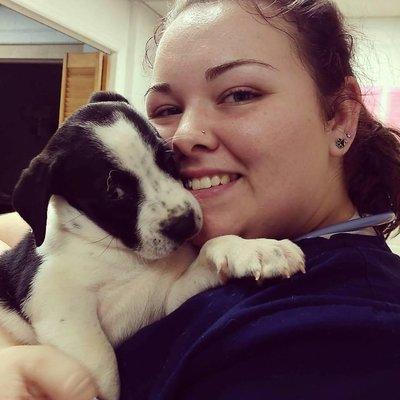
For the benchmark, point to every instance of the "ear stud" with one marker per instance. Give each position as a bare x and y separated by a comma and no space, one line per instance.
341,143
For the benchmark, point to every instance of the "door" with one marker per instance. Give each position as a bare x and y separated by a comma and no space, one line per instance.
83,74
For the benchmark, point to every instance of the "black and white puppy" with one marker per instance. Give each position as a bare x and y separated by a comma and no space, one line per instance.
109,215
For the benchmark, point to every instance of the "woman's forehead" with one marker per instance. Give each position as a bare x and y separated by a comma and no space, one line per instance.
211,34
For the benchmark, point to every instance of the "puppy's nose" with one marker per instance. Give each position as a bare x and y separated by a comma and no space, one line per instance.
181,228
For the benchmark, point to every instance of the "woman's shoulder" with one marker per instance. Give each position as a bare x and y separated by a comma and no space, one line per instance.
346,243
346,275
321,321
354,265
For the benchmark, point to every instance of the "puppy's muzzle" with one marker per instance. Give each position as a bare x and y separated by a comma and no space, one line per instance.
182,227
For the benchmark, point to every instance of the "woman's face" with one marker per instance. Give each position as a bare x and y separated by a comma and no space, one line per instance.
235,100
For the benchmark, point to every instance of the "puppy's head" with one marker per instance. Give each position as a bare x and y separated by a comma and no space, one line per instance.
109,163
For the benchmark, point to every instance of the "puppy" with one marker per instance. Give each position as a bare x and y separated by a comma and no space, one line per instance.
109,216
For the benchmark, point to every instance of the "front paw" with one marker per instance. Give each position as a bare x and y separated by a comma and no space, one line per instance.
235,257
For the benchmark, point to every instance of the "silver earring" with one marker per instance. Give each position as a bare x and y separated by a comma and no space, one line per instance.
348,135
341,143
203,132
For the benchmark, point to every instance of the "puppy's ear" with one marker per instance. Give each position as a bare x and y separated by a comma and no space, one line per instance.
99,97
32,194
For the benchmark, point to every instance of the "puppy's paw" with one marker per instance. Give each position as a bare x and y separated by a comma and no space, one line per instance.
235,257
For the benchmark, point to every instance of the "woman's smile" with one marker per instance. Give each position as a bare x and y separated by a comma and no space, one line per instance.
203,189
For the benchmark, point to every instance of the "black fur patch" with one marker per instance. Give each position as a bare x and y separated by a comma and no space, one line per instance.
18,266
107,96
84,182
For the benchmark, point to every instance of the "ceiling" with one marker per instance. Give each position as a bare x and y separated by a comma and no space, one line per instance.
351,8
159,6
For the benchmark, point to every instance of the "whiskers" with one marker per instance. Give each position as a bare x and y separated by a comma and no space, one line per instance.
141,259
168,144
99,240
170,141
75,218
109,243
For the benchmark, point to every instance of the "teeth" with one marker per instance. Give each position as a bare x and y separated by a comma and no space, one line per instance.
195,184
225,179
207,181
215,181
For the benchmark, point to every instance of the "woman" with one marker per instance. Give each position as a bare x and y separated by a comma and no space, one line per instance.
260,104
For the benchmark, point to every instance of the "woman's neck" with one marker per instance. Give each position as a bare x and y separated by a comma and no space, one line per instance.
335,208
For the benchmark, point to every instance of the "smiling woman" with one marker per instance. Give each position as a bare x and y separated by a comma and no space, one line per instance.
265,127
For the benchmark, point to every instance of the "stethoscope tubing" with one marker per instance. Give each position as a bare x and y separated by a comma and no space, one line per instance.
352,225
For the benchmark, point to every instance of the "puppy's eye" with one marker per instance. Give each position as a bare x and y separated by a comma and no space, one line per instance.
114,190
115,193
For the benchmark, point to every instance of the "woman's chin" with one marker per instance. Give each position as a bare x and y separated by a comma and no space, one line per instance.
207,234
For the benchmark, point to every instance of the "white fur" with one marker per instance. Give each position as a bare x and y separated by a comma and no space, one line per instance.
14,324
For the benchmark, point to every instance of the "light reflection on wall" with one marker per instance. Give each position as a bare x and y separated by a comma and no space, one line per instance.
384,103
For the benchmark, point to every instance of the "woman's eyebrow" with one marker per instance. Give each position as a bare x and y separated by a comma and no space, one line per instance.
213,72
159,88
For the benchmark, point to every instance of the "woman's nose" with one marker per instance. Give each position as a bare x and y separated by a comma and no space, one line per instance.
194,134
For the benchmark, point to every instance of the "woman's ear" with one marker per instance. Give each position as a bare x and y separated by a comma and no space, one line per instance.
342,128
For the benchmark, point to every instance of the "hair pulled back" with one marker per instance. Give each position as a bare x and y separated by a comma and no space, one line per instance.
372,164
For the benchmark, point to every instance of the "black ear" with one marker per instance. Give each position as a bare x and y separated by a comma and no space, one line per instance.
32,194
99,97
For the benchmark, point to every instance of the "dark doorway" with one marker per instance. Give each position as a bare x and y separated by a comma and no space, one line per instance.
29,106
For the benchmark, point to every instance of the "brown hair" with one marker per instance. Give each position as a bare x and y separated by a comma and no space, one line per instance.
372,164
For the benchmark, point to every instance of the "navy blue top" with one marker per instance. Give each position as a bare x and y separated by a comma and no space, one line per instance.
333,333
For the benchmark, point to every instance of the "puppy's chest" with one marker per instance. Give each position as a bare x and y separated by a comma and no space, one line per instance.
131,302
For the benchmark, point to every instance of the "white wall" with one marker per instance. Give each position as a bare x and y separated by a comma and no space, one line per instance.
378,50
379,59
105,21
40,52
18,29
142,23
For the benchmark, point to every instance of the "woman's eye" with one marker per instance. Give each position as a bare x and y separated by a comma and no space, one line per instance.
240,96
164,112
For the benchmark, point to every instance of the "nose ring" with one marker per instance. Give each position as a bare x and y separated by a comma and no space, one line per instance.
203,132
